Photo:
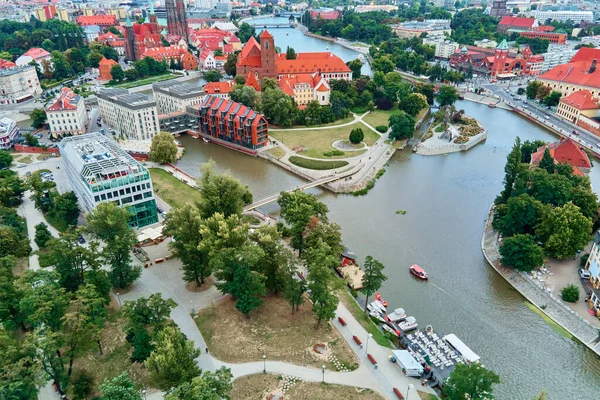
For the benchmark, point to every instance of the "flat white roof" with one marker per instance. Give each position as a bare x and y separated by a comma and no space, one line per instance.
462,348
406,360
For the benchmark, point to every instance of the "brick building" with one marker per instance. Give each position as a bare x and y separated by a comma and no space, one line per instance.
104,68
579,73
139,38
177,54
176,19
559,38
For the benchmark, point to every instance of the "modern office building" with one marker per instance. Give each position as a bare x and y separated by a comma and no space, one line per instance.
176,97
134,116
99,170
18,84
67,115
576,17
432,27
8,131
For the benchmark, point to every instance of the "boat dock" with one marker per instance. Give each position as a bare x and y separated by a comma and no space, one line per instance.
349,270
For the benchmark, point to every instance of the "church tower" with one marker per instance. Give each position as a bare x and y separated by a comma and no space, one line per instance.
152,17
500,56
129,41
267,55
176,18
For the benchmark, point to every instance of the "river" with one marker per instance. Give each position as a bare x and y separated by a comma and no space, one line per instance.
447,199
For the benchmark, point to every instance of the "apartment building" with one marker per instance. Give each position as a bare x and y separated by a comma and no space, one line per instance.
134,116
8,131
176,97
18,84
67,115
99,170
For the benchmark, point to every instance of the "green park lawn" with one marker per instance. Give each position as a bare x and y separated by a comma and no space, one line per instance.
26,160
171,189
379,117
319,141
276,152
336,122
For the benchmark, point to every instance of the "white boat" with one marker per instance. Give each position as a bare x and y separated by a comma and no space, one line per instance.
205,140
375,309
390,330
398,315
408,325
378,306
376,315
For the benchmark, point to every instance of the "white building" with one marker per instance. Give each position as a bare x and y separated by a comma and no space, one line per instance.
443,47
8,131
207,59
134,116
18,84
99,170
91,33
432,27
564,16
595,40
67,115
486,43
176,97
36,53
225,26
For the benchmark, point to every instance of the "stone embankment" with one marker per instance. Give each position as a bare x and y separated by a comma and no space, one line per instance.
477,98
544,301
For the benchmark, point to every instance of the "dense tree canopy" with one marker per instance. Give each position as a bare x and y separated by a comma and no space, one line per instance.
521,252
163,148
472,381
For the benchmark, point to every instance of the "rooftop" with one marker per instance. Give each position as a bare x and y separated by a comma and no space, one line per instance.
181,90
14,70
582,100
65,101
36,53
517,21
123,98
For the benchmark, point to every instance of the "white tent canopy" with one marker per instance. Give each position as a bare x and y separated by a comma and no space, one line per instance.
462,348
408,362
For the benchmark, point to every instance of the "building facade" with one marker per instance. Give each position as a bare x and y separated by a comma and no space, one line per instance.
575,16
558,38
444,48
575,105
100,171
18,84
593,265
8,132
139,38
104,68
67,115
499,9
134,116
176,54
219,89
176,97
433,27
580,73
176,18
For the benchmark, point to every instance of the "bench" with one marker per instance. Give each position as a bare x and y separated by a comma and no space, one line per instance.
397,392
342,321
357,340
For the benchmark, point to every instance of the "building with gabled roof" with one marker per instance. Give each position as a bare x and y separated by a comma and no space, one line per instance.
565,151
219,89
5,64
580,73
508,22
207,59
170,54
104,67
67,115
100,20
305,88
139,38
36,54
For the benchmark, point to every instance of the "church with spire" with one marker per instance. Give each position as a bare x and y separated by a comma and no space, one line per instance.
141,37
176,19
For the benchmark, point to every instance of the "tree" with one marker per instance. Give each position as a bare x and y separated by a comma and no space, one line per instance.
447,95
275,259
19,371
61,68
42,235
297,208
66,208
10,296
43,302
290,53
472,381
246,286
82,384
564,231
245,32
94,59
213,76
521,91
13,243
383,64
48,344
372,279
131,75
209,386
6,159
402,125
278,107
230,64
511,170
543,91
109,223
119,388
163,149
356,67
221,193
31,140
38,117
532,89
295,287
152,312
547,162
173,361
521,252
570,293
413,103
552,99
246,95
528,148
183,224
356,136
520,214
117,73
321,281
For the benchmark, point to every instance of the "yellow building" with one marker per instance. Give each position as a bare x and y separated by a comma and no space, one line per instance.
40,14
577,104
62,14
118,12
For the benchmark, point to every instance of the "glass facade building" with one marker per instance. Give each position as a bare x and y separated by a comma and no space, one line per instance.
99,170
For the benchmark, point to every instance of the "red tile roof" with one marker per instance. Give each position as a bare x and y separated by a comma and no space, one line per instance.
517,21
100,20
325,14
218,87
4,64
564,151
265,34
36,53
247,56
251,81
582,100
577,73
66,100
107,61
586,54
311,62
162,52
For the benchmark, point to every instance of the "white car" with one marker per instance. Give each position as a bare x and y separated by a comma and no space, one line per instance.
21,165
584,273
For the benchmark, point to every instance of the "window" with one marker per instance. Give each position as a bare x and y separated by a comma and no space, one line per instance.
121,192
96,198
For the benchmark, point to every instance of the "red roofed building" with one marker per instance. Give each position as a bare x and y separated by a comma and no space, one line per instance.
173,54
104,68
565,151
67,115
582,109
560,38
112,40
305,88
4,64
262,61
516,23
207,59
100,20
36,54
580,73
219,89
139,38
334,14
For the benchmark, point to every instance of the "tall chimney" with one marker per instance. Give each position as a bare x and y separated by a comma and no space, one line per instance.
593,66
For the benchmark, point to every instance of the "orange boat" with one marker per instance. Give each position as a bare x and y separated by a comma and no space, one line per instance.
378,297
418,272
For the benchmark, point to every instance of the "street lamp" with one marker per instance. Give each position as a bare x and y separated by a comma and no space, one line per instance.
144,393
119,298
264,363
410,386
367,345
323,369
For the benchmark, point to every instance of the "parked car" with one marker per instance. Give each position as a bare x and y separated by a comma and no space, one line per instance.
159,210
80,239
584,273
20,165
575,132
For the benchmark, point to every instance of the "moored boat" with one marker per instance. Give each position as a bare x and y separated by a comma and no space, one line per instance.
379,298
390,330
376,306
492,105
205,140
418,272
397,315
408,325
376,315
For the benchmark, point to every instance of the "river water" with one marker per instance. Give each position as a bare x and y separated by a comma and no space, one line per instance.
447,199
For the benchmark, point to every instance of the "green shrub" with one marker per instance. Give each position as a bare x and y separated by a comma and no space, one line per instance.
353,292
334,153
380,173
316,164
381,128
83,385
570,293
356,136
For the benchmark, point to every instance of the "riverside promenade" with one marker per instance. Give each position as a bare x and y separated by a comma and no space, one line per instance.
544,301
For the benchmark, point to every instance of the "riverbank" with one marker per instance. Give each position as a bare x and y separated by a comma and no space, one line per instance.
481,99
542,300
